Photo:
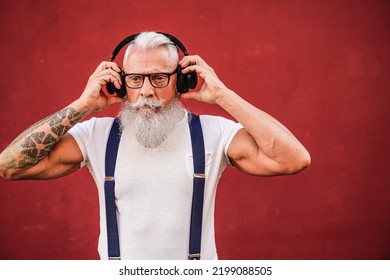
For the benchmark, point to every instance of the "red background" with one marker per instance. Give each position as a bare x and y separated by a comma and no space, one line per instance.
320,67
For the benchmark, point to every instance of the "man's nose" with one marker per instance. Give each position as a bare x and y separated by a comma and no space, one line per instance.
147,90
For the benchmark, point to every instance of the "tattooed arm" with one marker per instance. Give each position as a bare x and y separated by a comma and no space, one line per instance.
45,150
20,159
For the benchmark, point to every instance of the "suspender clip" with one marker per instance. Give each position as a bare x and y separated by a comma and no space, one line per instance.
195,256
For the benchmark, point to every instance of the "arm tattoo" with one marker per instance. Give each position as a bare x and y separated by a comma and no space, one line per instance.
37,141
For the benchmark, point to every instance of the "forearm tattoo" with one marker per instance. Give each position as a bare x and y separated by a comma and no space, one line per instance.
36,141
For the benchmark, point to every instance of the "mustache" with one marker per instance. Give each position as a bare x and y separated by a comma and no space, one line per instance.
147,102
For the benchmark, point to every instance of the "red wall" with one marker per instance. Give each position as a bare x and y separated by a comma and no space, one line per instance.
320,67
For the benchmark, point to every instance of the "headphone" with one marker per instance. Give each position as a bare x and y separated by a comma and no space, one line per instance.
184,83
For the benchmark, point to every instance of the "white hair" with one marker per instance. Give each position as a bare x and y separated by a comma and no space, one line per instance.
152,40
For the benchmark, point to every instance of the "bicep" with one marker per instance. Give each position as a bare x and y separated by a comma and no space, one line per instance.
245,155
63,159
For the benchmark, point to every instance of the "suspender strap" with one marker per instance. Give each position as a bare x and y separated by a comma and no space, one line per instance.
109,191
198,155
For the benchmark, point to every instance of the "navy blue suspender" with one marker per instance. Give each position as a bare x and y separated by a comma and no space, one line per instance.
198,189
198,156
109,191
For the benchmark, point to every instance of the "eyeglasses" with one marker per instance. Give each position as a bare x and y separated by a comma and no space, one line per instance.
157,80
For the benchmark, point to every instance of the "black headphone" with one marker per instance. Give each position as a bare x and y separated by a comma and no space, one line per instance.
184,83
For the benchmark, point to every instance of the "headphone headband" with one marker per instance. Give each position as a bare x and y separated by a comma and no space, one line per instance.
131,38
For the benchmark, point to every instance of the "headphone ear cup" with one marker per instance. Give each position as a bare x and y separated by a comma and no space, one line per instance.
181,84
122,91
192,80
111,89
185,82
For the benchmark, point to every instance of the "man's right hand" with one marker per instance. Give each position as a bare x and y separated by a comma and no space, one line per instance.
93,98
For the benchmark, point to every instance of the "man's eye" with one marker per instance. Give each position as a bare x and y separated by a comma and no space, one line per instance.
159,77
135,79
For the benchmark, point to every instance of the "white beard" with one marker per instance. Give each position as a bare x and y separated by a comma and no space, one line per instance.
151,121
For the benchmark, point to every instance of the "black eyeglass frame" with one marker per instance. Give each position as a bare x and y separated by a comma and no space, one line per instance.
124,75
